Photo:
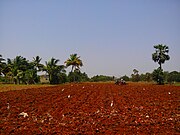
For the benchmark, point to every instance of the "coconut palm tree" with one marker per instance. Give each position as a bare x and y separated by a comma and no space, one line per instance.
54,70
36,62
74,61
31,76
17,67
161,54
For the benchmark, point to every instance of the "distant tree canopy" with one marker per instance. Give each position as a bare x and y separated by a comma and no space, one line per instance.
173,76
146,77
77,76
135,76
125,78
103,78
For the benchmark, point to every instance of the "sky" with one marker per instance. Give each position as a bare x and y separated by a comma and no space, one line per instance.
112,37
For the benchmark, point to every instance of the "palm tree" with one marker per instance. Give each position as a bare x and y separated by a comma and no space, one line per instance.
135,76
160,55
135,71
36,63
54,70
17,67
31,76
74,61
2,64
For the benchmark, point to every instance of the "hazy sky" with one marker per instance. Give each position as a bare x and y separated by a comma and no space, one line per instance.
112,36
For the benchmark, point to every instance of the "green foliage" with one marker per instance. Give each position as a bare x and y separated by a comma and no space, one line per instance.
146,77
62,77
16,69
142,77
74,61
135,76
165,76
161,54
36,63
55,71
74,77
77,76
102,78
173,76
158,76
19,70
31,76
125,78
2,79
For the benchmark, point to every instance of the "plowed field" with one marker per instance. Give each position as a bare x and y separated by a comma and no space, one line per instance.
91,108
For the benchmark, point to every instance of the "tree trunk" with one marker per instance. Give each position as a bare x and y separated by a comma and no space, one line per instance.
160,66
72,68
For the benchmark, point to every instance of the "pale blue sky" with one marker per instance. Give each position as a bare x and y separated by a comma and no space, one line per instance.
112,36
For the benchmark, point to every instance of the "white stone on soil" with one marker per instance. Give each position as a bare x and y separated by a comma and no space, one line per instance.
23,114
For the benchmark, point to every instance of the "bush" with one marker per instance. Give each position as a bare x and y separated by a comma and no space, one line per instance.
158,76
102,78
125,78
77,76
173,77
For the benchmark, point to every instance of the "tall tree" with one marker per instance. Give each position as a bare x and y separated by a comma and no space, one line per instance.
36,62
17,67
135,76
74,61
2,64
54,70
135,71
161,54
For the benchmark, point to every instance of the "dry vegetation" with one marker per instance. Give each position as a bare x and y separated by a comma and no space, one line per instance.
10,87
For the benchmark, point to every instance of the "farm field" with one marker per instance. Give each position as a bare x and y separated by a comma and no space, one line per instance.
91,108
10,87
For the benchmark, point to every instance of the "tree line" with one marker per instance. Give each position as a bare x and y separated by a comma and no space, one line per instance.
166,76
22,71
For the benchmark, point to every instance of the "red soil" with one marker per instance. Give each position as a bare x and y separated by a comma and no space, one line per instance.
92,108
